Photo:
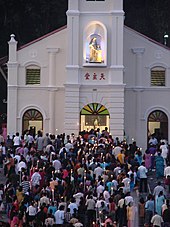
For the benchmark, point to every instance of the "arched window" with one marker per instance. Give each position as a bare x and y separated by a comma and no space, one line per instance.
158,76
93,116
158,124
33,75
32,120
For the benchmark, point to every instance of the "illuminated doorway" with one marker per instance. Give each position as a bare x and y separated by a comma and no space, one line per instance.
93,116
32,120
158,124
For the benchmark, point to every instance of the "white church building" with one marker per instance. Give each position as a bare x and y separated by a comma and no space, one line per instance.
93,73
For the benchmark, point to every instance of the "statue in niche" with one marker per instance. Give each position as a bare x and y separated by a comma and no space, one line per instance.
95,51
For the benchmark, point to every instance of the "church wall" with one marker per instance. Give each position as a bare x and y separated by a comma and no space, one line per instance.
38,52
48,97
140,55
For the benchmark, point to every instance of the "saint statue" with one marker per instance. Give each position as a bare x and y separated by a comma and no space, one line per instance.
95,51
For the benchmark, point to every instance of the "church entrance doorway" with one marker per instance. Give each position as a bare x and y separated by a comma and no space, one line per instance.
158,125
33,121
93,116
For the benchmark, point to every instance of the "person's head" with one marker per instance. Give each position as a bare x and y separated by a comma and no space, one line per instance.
160,193
102,204
73,200
61,207
150,197
130,204
17,133
141,200
159,153
68,210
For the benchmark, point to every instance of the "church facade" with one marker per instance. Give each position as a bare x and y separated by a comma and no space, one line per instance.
93,73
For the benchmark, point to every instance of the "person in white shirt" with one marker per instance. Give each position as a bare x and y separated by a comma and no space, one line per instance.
17,159
117,170
98,171
77,196
57,164
17,140
164,151
69,145
126,182
158,188
22,165
99,202
59,216
106,195
31,211
100,189
44,199
143,177
167,171
72,206
167,176
116,151
157,220
153,140
128,199
35,179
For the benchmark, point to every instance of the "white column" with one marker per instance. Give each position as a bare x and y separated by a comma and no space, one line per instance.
72,111
73,34
52,65
52,87
116,48
139,54
12,99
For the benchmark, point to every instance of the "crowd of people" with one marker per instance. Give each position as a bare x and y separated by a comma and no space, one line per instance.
85,180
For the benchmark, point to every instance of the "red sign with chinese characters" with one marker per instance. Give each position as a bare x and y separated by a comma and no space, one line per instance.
94,76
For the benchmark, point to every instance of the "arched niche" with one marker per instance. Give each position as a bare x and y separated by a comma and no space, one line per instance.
95,45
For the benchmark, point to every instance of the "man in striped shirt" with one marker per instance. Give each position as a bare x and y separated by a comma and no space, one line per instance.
25,185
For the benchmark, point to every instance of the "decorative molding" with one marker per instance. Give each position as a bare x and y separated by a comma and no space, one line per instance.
12,64
117,67
53,49
157,64
35,87
117,13
135,88
72,85
24,109
158,54
94,13
154,108
12,40
138,50
72,66
32,62
73,12
105,86
93,65
33,53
